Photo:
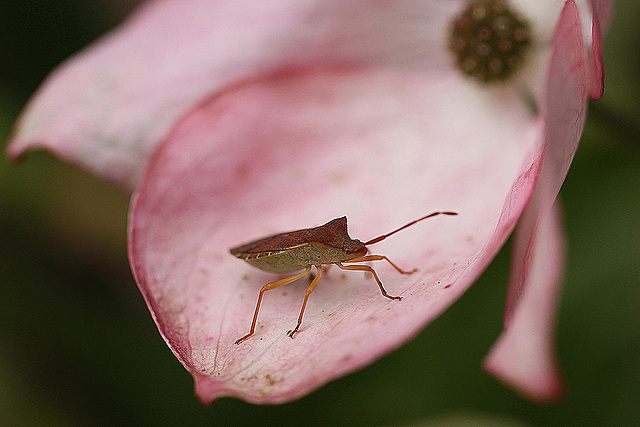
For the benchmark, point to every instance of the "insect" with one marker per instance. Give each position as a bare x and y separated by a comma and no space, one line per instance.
301,249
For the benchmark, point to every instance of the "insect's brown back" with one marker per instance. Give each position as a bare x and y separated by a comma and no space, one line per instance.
332,234
295,250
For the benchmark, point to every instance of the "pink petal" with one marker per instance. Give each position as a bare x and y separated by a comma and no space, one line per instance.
107,108
602,11
523,356
564,113
596,66
294,151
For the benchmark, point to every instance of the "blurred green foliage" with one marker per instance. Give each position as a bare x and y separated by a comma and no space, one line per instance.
78,346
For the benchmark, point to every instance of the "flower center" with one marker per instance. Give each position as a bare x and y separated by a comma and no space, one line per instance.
489,40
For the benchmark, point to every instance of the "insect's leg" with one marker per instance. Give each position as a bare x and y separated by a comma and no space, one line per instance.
310,289
268,287
325,270
379,257
370,270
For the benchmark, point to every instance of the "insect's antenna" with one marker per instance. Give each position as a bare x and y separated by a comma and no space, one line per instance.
384,236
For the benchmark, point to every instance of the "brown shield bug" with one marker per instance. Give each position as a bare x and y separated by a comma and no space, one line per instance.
301,249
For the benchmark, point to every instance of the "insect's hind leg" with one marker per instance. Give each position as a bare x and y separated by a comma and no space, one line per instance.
370,270
310,289
268,287
380,257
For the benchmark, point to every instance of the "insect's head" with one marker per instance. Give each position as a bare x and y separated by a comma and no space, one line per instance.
354,248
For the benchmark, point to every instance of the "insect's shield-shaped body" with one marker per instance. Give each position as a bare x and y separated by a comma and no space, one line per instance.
296,250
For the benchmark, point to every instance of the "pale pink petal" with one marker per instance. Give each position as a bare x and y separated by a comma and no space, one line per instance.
564,113
524,356
295,151
108,107
596,66
538,254
602,11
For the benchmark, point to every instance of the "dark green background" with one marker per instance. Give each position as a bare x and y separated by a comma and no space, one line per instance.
78,346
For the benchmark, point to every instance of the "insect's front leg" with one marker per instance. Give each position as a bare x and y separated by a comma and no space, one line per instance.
372,271
380,257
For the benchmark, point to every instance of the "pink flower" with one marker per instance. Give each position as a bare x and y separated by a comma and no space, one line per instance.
234,120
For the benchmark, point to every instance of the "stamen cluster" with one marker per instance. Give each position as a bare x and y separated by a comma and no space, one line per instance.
489,40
